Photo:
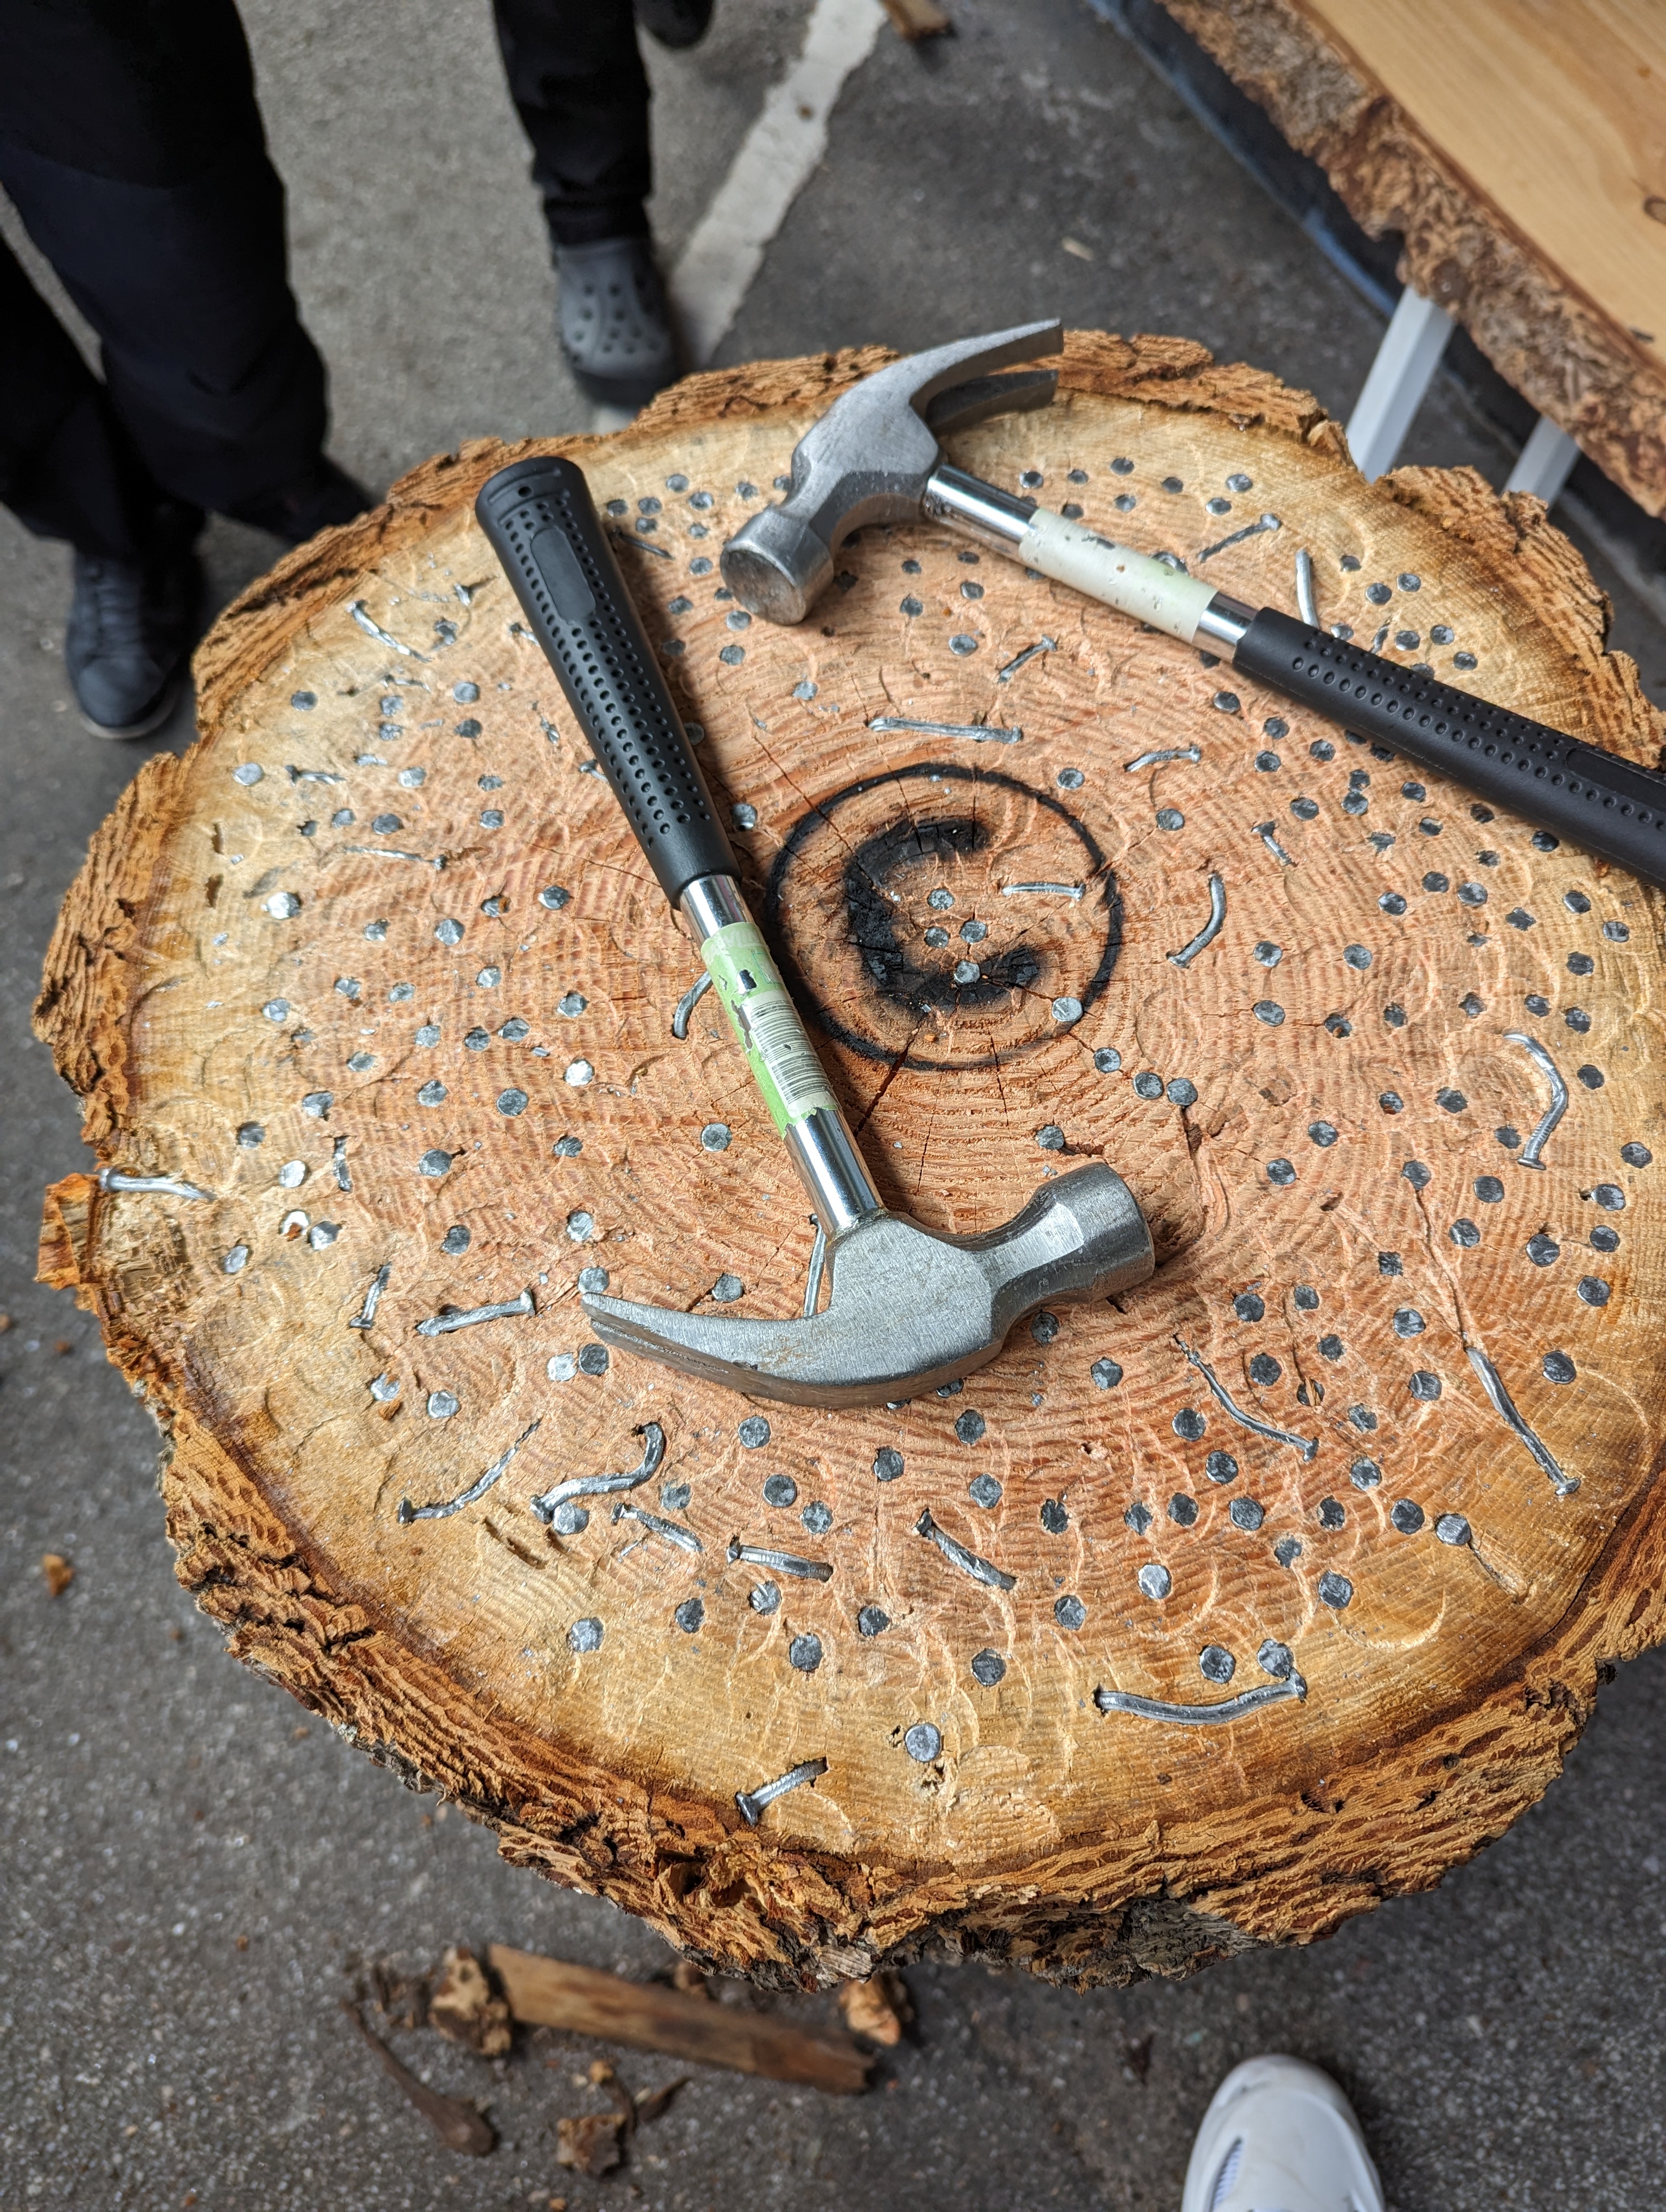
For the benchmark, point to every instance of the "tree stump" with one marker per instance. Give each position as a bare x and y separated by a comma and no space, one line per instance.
1204,1618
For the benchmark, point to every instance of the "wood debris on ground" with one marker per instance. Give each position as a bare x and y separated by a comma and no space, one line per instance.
463,2007
652,2103
917,19
551,1993
59,1573
401,1998
877,2009
596,2142
458,2125
463,2003
592,2144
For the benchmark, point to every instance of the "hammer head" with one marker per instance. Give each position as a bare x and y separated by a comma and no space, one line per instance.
909,1309
868,458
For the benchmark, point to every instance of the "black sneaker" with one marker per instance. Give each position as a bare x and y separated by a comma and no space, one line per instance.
615,321
128,640
326,496
675,24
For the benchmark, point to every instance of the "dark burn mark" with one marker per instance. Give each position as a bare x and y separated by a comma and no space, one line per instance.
896,976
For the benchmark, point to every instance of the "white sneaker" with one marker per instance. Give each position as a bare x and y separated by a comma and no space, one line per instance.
1281,2136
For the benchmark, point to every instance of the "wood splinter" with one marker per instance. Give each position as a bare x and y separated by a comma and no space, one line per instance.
914,20
551,1993
458,2125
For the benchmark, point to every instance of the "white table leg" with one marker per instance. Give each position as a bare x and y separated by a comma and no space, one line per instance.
1543,464
1402,372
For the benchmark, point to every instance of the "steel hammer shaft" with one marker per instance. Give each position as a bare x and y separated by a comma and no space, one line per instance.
1134,583
1613,807
780,1053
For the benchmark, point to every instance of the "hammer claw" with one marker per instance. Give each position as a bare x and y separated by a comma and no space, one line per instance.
982,398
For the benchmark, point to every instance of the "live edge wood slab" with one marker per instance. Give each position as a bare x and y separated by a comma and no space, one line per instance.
1304,1561
1515,146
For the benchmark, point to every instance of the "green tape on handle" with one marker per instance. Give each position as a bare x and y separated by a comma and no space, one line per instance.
778,1051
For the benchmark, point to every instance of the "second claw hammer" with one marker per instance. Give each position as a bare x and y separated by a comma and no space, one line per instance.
875,456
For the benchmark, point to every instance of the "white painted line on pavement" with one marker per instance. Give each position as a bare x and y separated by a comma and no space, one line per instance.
774,164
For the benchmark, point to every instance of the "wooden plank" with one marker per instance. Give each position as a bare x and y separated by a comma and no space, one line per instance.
1519,172
1555,110
546,1992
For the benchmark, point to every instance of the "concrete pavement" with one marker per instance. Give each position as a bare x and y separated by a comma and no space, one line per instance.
194,1871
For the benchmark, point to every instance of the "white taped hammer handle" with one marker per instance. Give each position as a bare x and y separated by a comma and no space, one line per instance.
1134,584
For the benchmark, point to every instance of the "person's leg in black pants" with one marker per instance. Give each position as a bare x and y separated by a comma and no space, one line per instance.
576,77
68,468
131,146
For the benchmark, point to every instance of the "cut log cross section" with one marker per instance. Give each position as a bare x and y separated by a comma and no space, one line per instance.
1203,1619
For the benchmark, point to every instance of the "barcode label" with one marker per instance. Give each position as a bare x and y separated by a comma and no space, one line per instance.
779,1040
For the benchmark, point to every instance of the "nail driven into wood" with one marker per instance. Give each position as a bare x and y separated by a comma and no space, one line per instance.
1230,1708
160,1186
1505,1407
1250,530
642,544
1211,929
979,732
753,1801
781,1562
812,1285
1307,1446
361,614
1161,753
981,1570
605,1485
394,853
442,1324
372,1297
656,1524
1305,605
686,1005
1023,659
443,1510
1529,1154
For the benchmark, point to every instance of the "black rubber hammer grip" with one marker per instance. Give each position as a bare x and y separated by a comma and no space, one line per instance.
1581,792
544,527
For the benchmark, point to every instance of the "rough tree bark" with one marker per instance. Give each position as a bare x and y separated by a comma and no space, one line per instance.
374,979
